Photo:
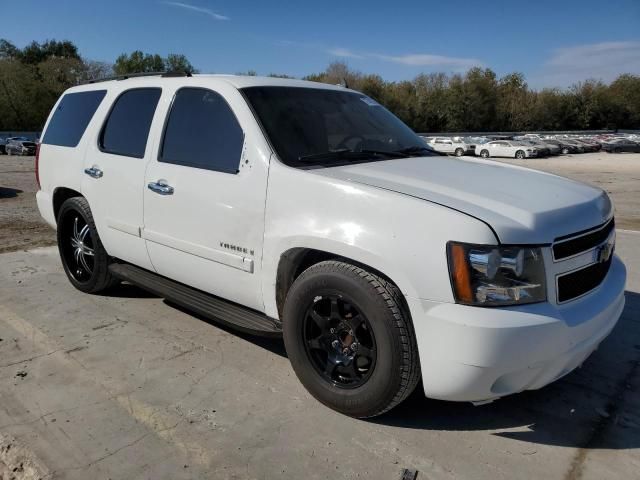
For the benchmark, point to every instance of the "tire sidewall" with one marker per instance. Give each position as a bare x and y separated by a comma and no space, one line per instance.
384,381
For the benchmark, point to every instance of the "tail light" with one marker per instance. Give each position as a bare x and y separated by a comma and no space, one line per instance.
38,164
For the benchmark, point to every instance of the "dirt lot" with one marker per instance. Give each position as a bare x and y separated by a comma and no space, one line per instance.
21,226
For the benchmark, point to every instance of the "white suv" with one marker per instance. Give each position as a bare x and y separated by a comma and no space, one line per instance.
284,207
449,146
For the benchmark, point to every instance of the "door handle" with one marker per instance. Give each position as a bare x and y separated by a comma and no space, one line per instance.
93,172
161,187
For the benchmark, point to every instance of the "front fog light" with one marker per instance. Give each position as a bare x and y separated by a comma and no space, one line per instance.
491,275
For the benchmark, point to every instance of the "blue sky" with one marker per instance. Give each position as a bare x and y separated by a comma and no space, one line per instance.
554,43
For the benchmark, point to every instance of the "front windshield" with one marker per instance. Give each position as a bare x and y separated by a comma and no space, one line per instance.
330,127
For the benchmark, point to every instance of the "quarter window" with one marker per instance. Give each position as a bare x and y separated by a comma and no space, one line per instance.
72,115
127,128
202,132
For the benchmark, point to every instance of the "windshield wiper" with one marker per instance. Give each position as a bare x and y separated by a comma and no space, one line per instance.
347,154
415,149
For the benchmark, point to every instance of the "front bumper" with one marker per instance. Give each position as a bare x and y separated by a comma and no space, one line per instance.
478,354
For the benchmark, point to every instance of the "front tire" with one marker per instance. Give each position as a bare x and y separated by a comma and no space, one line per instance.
83,256
350,340
520,155
484,153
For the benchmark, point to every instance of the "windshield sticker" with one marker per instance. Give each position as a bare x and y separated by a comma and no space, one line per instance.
370,101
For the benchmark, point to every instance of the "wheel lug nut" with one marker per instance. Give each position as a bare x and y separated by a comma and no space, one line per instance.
332,330
335,344
354,346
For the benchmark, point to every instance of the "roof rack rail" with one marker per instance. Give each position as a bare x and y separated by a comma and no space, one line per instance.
173,73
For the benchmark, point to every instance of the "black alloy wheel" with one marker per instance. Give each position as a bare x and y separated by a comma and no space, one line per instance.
85,260
339,341
78,250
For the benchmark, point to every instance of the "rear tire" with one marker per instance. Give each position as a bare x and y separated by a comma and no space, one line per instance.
459,152
484,153
84,259
565,151
520,155
333,306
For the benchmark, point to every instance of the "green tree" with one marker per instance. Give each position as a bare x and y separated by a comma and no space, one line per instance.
513,103
178,63
140,62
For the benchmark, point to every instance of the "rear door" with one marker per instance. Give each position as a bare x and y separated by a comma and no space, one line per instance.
114,166
205,192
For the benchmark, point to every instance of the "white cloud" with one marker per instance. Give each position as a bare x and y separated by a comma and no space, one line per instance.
193,8
344,53
429,60
410,59
604,61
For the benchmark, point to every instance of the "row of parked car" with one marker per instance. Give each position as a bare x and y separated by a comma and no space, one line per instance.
17,146
533,145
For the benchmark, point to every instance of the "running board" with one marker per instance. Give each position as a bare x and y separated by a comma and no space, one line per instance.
222,311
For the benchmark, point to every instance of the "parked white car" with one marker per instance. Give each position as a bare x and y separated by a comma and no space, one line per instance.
505,148
284,207
449,146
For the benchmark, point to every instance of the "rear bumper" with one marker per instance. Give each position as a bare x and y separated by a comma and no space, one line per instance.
45,206
477,354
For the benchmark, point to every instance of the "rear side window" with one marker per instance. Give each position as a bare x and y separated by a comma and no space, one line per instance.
202,132
72,115
127,128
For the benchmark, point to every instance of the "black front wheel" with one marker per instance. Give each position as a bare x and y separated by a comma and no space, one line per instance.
350,339
84,259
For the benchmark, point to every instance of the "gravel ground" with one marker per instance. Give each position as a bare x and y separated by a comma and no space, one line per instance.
22,228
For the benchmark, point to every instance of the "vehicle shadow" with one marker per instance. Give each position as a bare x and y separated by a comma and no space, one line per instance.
273,345
9,192
575,411
127,290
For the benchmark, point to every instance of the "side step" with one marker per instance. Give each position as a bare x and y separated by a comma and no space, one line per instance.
222,311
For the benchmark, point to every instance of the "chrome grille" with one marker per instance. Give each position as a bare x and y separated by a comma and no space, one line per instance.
575,244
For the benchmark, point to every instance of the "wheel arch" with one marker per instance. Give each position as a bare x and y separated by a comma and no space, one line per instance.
296,260
60,195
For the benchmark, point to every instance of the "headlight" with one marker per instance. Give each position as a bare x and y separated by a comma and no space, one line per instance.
490,275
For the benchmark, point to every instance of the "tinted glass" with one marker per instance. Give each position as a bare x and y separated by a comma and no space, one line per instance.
127,128
302,122
202,132
72,115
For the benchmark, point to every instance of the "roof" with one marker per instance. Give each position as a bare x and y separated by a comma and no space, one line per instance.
238,81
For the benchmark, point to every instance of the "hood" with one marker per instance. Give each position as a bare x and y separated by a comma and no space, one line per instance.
521,205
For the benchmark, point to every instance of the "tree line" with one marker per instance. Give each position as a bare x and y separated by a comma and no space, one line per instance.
32,78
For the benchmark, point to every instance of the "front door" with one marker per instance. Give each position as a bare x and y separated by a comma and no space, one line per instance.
205,192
